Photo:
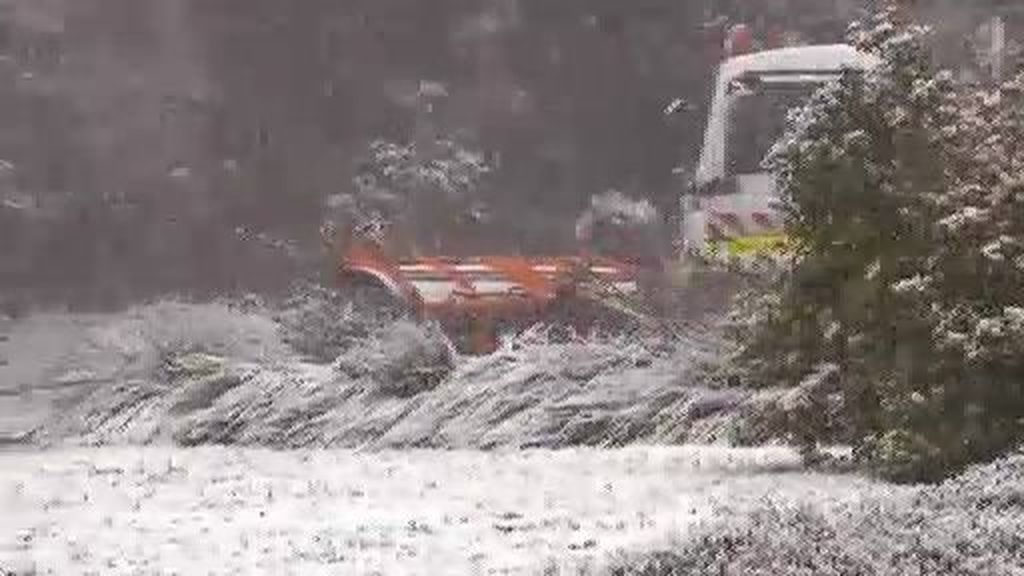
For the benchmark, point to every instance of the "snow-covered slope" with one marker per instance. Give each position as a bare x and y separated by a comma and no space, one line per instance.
211,374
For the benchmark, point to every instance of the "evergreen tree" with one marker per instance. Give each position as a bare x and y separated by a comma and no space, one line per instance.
900,189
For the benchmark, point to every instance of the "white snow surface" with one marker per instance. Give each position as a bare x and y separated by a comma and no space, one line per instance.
161,510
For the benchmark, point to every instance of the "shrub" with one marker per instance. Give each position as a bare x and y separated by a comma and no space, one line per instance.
415,193
775,539
319,324
971,525
403,359
901,191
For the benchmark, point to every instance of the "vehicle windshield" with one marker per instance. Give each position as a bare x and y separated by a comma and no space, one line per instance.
757,119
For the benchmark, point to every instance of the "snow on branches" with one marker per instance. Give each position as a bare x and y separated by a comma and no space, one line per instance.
903,190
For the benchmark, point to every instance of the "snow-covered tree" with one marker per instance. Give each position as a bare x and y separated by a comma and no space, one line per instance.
901,190
418,194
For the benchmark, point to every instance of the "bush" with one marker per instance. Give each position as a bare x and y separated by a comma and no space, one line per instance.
319,324
158,340
902,455
415,193
616,225
902,193
971,525
403,359
775,539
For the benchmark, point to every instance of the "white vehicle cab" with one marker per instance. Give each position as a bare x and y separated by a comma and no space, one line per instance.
729,209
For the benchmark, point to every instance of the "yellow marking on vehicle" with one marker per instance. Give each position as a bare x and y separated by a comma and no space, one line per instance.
756,244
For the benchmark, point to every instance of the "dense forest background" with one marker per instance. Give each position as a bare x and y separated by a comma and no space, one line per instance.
155,146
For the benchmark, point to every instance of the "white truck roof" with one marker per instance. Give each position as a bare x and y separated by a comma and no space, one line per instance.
811,59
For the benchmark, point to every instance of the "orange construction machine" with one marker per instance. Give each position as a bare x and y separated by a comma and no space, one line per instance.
475,299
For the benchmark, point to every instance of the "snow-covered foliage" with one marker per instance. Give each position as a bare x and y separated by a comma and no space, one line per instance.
143,340
399,169
974,278
213,374
614,223
616,208
405,359
400,185
970,525
321,324
902,190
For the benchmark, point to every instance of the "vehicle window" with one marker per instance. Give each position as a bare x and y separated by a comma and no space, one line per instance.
756,120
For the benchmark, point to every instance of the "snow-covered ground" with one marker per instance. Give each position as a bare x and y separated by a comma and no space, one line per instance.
253,511
139,443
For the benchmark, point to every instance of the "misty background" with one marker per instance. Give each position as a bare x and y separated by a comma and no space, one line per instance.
189,146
